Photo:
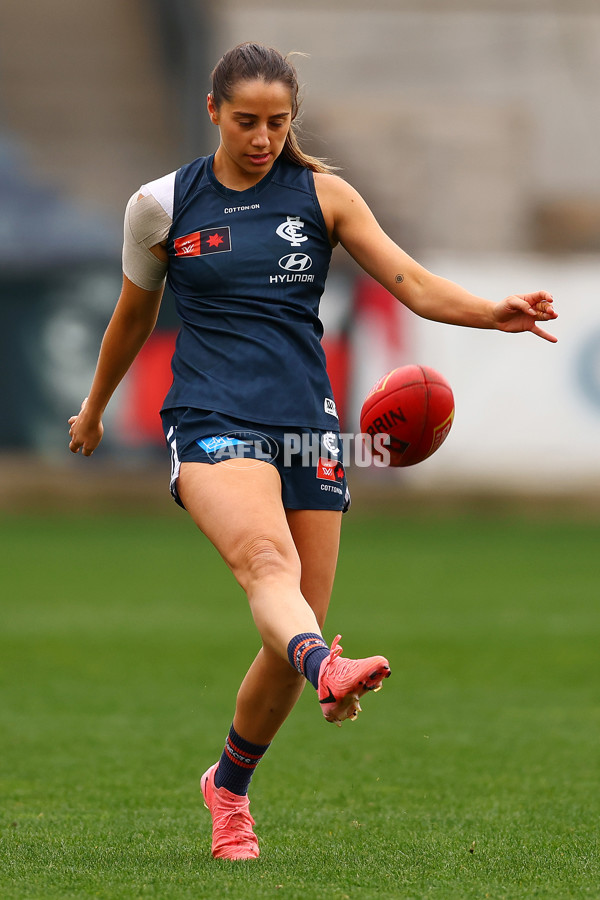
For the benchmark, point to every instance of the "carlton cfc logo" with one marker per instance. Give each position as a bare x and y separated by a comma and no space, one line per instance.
295,262
291,229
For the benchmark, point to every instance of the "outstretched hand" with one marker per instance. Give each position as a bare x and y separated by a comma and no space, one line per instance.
522,312
85,432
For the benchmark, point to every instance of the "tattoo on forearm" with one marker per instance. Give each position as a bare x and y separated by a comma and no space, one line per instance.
399,278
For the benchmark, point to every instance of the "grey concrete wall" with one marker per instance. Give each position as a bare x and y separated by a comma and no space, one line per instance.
470,125
467,124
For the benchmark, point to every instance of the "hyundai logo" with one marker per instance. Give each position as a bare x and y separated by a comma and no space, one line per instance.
295,262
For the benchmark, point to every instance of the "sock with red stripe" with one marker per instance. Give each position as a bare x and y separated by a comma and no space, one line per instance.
306,652
238,762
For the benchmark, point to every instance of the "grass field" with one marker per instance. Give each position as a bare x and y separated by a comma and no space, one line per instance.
473,774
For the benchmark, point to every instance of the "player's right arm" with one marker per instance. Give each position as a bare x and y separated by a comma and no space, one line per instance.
145,263
131,324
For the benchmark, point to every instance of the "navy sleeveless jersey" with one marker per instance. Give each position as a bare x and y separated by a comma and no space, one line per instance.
247,269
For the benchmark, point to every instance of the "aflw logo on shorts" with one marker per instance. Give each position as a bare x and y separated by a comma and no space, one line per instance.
329,407
199,243
329,470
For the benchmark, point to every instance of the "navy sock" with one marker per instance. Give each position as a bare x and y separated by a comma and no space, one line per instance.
306,652
238,762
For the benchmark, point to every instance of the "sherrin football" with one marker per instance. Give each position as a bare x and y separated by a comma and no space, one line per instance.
414,405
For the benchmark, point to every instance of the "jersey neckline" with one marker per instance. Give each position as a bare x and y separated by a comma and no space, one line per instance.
230,192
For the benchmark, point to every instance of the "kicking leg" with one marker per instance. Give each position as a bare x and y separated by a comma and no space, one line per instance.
239,508
272,687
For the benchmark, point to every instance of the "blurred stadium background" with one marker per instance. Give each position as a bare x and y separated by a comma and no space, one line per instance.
472,127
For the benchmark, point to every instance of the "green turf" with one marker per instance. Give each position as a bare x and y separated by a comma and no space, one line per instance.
473,774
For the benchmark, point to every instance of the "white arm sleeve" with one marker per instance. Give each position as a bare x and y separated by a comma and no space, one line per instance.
147,222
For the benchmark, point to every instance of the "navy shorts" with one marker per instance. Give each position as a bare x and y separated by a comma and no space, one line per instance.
309,461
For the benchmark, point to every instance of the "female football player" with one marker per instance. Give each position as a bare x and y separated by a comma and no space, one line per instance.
244,237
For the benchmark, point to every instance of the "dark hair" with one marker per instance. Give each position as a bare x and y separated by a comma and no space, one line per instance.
248,62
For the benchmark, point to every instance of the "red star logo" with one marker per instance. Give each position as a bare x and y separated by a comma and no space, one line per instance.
214,240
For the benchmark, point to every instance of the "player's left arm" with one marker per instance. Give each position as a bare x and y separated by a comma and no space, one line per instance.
351,223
